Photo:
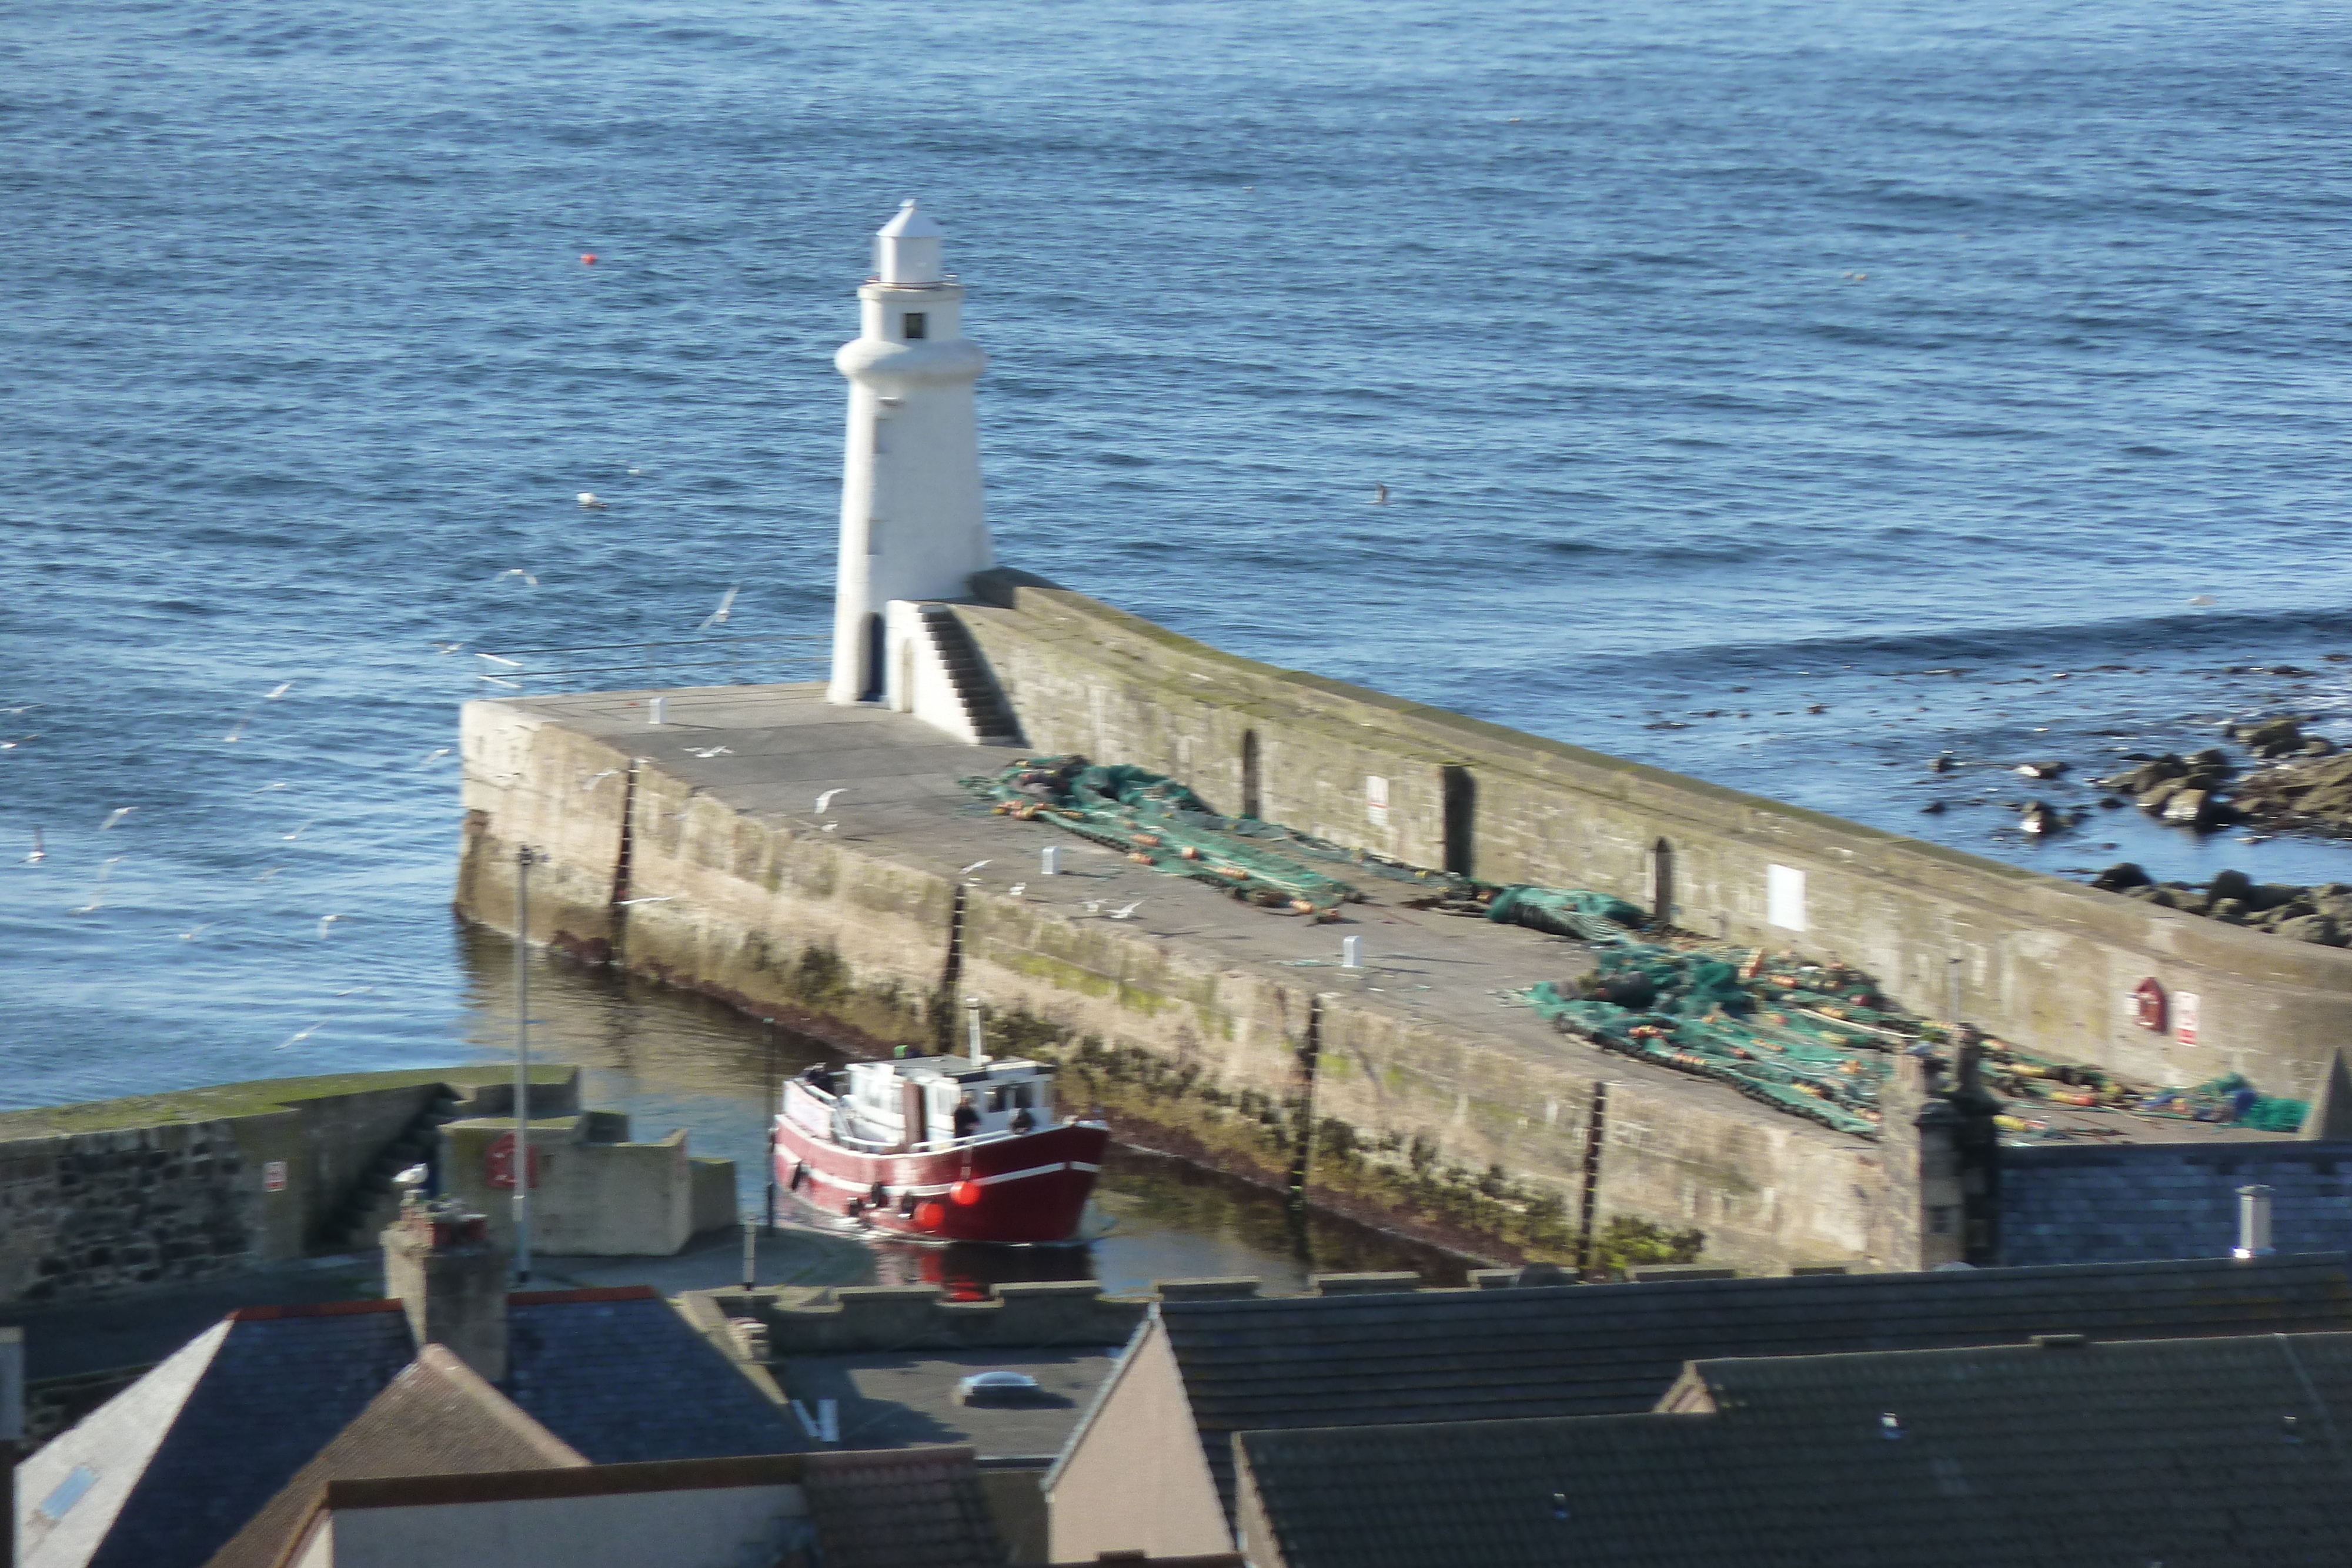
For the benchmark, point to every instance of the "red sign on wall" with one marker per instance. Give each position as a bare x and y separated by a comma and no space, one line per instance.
498,1165
2149,1007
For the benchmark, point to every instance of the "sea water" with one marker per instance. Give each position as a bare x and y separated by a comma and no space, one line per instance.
1786,395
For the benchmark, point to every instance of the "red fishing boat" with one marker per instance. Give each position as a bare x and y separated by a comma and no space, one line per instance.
942,1148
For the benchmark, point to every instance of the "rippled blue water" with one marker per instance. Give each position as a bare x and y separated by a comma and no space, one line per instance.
1704,346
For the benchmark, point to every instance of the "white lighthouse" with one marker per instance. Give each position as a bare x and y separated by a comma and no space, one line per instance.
912,524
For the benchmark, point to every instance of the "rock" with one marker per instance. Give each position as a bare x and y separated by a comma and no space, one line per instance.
2154,800
2231,885
2112,802
1941,764
2269,895
2192,902
2318,745
2230,911
2190,807
1936,807
2273,737
2144,889
2121,875
2043,769
2312,928
2042,819
2212,759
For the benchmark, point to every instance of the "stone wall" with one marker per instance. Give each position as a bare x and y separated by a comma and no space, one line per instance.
115,1196
2045,963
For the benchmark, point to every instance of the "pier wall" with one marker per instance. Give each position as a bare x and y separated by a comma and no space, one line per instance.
2044,963
1454,1133
119,1194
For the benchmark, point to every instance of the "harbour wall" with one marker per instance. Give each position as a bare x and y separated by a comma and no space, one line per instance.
2045,964
1461,1134
114,1196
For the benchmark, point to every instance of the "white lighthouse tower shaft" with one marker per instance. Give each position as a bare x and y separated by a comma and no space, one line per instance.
912,523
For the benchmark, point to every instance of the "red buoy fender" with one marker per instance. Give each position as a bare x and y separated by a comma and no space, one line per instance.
965,1192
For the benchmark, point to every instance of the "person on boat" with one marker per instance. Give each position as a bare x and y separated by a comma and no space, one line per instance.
908,1052
967,1117
1022,1122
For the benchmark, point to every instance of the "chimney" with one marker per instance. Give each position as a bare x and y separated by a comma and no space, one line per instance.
2253,1223
439,1258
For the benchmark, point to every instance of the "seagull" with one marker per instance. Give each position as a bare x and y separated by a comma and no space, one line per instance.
972,868
266,789
237,729
412,1177
826,799
296,833
434,756
13,745
20,707
303,1034
516,572
273,870
1380,495
831,826
714,751
449,648
1128,913
40,850
1092,907
279,690
1017,889
588,499
665,898
726,608
325,924
358,992
115,816
192,932
594,780
98,891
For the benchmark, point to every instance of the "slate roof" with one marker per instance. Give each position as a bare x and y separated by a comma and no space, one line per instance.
617,1374
437,1418
1254,1365
2182,1451
909,1508
276,1386
2076,1204
621,1377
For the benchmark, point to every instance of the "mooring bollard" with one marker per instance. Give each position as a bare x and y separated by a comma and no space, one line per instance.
1050,858
1351,952
659,704
751,1252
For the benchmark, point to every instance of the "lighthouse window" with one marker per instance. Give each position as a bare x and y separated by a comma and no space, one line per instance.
915,325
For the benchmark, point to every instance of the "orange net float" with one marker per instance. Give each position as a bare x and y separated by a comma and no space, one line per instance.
965,1192
929,1214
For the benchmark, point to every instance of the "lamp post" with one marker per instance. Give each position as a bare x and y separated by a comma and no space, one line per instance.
525,858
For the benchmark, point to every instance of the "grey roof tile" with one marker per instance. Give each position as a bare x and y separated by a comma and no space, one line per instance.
1318,1360
2072,1204
2187,1451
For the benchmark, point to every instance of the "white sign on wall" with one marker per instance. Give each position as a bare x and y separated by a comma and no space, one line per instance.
1784,897
1376,800
273,1176
2184,1017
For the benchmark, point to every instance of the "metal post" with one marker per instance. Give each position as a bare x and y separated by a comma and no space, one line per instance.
1953,969
971,1011
750,1253
520,1166
1351,952
769,1111
1050,859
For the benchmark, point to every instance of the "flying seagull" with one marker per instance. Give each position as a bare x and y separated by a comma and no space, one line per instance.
40,852
726,608
325,924
826,799
516,572
115,816
1128,911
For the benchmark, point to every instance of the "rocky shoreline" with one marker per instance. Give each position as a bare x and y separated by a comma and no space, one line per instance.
2322,913
2310,788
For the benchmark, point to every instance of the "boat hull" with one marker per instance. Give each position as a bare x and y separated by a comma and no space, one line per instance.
1028,1188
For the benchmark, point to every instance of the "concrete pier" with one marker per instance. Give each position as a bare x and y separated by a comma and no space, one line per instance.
693,851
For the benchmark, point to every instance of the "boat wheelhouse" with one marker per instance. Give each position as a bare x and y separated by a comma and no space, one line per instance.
938,1147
